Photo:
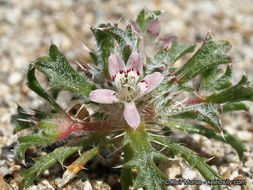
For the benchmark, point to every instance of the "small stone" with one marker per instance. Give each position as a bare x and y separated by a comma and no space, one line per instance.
189,173
87,185
4,90
173,171
249,164
204,187
170,188
207,7
244,135
231,157
15,78
46,173
47,184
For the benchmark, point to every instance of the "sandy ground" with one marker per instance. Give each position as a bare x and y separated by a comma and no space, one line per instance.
28,27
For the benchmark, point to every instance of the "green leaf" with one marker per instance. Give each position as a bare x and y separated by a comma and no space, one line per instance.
62,75
148,175
195,161
47,133
233,106
105,43
238,92
125,38
209,133
28,141
94,56
200,112
21,120
210,83
145,17
167,57
177,51
44,162
58,155
34,85
126,174
209,55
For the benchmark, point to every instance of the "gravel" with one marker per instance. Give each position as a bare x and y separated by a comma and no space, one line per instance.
28,27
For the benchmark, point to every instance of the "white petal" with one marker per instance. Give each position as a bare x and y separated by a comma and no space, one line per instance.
149,83
135,63
115,65
132,115
103,96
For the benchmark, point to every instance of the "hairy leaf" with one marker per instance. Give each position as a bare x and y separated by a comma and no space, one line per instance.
233,106
238,92
210,83
209,133
62,75
44,162
125,38
167,57
195,161
209,55
148,175
47,133
34,85
126,174
28,141
199,112
177,51
58,155
105,43
21,120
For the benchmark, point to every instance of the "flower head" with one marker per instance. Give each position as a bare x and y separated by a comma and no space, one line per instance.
126,80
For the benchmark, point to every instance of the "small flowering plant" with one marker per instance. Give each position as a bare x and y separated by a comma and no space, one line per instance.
130,99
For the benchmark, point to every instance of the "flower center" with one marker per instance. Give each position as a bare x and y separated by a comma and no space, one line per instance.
126,83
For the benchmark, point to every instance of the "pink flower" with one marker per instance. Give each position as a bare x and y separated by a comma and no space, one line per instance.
125,79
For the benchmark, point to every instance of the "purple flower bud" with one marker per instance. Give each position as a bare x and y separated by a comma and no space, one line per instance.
154,27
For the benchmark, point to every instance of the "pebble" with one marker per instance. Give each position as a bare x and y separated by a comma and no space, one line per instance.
173,171
249,164
204,187
4,90
189,173
14,78
207,7
87,185
244,135
4,170
231,157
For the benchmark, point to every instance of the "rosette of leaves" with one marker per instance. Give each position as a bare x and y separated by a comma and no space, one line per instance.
191,98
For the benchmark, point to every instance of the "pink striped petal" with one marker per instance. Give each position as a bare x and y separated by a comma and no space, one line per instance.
135,63
103,96
132,115
115,65
154,27
149,83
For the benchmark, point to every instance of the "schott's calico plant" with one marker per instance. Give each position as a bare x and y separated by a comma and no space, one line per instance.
127,100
